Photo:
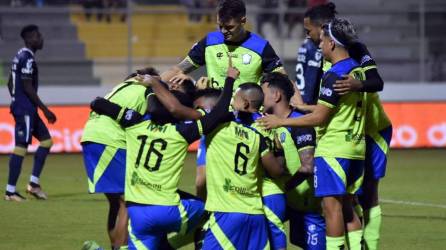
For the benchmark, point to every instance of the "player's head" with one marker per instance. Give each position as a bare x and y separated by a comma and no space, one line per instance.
145,71
277,88
336,36
231,19
317,16
32,37
248,98
187,87
206,98
159,114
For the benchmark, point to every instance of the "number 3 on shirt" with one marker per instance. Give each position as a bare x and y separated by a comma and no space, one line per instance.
241,158
152,150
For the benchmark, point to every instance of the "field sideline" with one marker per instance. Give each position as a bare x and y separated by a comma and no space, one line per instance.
413,193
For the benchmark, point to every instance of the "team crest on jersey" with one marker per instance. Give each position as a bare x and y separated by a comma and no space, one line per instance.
312,228
318,56
282,137
246,58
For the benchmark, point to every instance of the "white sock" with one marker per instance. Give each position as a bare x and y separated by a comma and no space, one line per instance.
10,188
34,179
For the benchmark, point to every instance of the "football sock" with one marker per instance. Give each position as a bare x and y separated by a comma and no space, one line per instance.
39,161
335,243
15,167
372,221
354,239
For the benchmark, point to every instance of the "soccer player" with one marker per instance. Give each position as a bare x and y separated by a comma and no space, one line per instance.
309,57
103,146
23,84
250,53
157,147
378,129
340,151
307,226
234,152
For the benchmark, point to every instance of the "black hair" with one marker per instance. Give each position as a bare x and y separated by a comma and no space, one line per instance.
189,88
145,71
28,29
208,93
159,114
255,92
229,9
322,14
342,30
279,81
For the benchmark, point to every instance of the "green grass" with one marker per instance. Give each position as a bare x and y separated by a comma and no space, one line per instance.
71,216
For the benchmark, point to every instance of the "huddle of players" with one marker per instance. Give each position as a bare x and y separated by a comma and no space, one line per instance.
251,172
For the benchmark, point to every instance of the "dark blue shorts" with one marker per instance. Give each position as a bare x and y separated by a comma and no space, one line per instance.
307,230
27,126
236,231
105,166
150,224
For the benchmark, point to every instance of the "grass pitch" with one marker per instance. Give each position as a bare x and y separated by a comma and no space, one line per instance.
413,194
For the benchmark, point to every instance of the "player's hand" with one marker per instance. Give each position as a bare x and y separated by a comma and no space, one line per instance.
277,144
146,80
269,121
232,71
179,78
296,100
347,85
50,116
202,83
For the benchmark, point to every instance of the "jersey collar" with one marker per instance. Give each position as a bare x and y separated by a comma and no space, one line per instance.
26,49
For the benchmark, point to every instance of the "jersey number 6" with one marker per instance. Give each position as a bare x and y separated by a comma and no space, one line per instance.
239,156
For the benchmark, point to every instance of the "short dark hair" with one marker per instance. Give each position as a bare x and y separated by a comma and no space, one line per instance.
207,93
279,81
229,9
28,29
144,71
342,30
322,13
159,114
189,88
255,91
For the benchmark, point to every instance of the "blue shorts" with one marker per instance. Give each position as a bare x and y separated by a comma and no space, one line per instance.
236,231
337,176
201,152
105,166
27,126
275,212
150,224
307,230
376,153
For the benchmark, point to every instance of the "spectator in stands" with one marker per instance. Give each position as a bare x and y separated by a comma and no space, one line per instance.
293,18
192,5
265,16
104,9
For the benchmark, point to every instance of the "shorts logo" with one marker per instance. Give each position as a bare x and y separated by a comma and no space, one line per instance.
246,58
128,114
326,91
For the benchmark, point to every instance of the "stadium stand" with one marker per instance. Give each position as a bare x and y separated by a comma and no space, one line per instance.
62,61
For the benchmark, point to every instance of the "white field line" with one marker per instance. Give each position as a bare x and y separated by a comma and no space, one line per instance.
413,203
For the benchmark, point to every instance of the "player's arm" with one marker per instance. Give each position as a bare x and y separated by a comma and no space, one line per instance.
200,179
273,164
194,59
373,81
31,92
10,85
124,116
328,99
305,143
169,101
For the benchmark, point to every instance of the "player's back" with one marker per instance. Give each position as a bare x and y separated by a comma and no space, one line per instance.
102,129
343,135
232,169
155,159
309,71
23,67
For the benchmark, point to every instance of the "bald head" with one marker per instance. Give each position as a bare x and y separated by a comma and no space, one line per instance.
249,97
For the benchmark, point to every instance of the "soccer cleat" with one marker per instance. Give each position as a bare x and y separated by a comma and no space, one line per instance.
14,197
91,245
36,191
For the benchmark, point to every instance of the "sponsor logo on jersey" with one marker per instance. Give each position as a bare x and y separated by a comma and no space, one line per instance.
304,138
326,91
313,63
29,67
136,180
246,58
350,137
302,50
229,188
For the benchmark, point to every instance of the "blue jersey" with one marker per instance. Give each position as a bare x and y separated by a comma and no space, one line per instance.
23,67
309,71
